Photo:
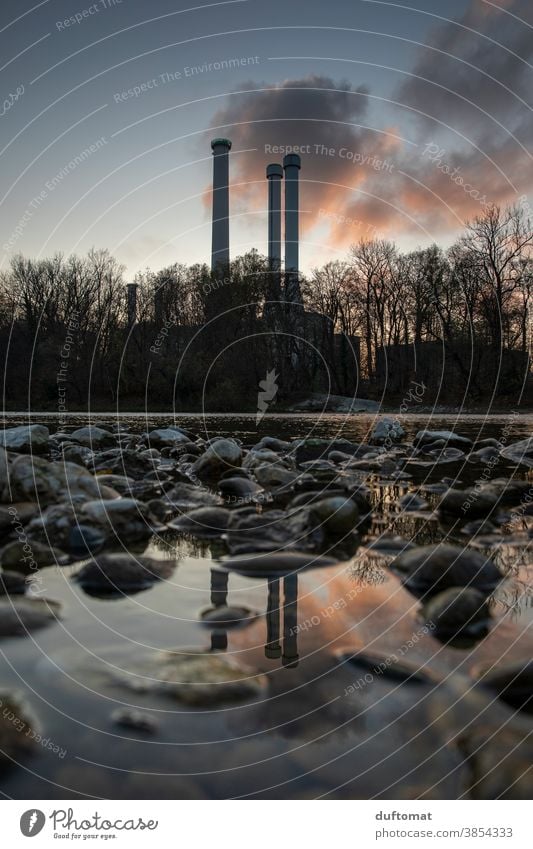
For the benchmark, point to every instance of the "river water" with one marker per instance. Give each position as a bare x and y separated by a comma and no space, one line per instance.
319,728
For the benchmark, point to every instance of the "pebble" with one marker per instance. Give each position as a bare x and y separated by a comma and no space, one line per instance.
122,574
430,569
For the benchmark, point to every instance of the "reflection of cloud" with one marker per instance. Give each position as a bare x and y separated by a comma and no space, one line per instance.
472,77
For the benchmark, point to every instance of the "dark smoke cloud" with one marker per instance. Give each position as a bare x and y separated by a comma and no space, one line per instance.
322,119
466,83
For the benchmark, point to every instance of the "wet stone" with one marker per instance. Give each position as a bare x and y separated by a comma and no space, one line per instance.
120,519
135,720
93,437
12,583
238,489
227,617
27,439
199,679
122,574
221,455
520,452
513,684
338,514
26,557
19,617
468,502
16,726
430,569
387,430
458,614
83,540
185,497
168,436
205,523
451,439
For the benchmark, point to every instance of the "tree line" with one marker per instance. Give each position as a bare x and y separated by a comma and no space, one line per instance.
460,317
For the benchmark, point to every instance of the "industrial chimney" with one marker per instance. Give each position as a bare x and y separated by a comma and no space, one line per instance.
274,174
220,225
132,303
291,166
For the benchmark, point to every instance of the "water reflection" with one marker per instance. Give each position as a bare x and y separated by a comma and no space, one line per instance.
281,619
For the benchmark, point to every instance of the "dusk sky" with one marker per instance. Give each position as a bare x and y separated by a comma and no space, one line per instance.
411,117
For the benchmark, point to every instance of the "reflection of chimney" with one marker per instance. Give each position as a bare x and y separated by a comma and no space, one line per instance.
219,587
220,222
273,648
290,621
291,165
219,595
132,304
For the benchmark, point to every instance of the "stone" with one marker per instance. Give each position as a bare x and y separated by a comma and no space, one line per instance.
387,430
274,477
339,515
468,502
73,453
167,436
520,452
27,439
430,569
135,720
16,727
93,437
12,583
227,617
185,497
36,479
20,617
28,556
320,403
513,684
205,522
121,518
272,444
207,679
53,525
273,530
459,612
261,457
124,461
238,490
83,540
484,455
452,440
122,574
218,458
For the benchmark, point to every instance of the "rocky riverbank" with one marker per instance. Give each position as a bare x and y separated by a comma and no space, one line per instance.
89,501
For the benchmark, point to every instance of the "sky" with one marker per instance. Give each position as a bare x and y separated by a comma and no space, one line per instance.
411,118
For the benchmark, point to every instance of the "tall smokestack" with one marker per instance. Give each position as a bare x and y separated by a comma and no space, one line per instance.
292,165
274,174
132,304
220,225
